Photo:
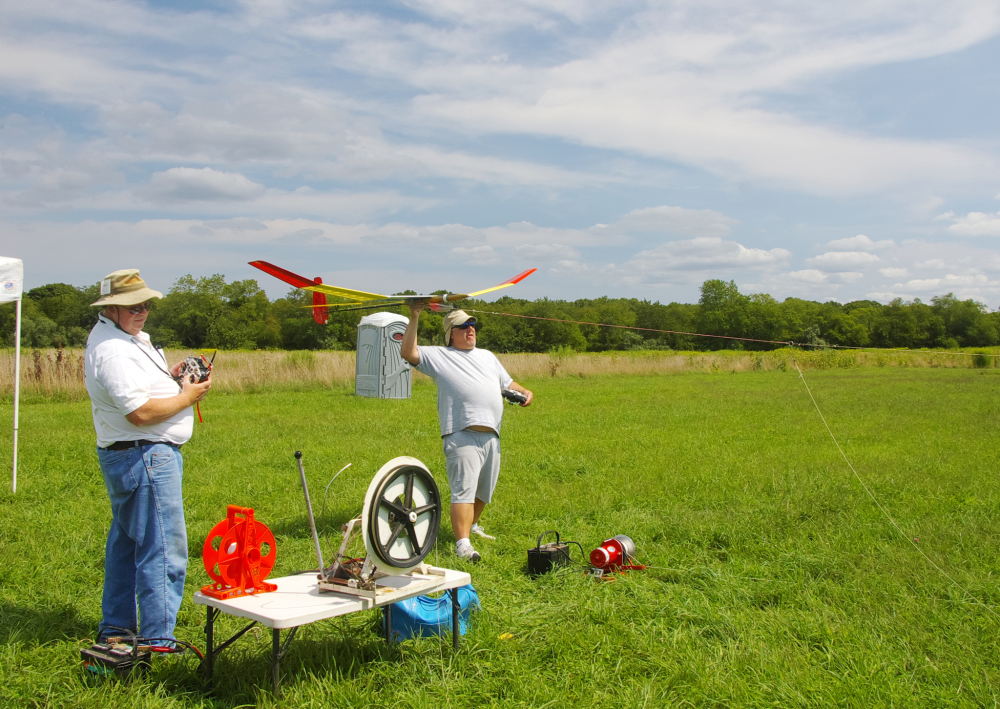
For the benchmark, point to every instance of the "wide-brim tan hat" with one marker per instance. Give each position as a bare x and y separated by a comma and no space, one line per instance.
455,317
125,288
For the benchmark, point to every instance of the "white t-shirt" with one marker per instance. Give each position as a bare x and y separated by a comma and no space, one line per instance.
123,372
468,386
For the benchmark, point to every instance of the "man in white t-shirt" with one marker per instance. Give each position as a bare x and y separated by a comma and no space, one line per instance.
470,409
143,414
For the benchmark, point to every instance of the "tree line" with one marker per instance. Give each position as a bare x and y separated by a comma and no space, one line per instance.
209,313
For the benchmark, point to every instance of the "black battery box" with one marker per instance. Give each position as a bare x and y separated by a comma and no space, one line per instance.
118,660
543,558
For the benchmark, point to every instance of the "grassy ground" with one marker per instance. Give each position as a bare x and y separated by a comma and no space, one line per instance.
778,581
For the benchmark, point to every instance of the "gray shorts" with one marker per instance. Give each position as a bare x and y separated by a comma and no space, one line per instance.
473,462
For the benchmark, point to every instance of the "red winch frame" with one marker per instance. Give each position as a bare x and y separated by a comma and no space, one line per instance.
238,555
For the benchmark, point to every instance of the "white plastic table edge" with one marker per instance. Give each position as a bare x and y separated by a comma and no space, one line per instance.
298,600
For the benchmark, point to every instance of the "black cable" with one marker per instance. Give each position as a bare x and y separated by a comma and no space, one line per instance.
137,641
565,552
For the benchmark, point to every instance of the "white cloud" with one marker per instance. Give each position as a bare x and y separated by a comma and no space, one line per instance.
491,170
886,296
238,224
810,275
301,237
949,282
859,243
548,252
686,260
526,233
187,184
894,272
839,260
676,86
476,255
676,221
677,83
975,224
814,276
573,268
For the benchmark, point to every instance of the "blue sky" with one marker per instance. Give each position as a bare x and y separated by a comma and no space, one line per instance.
636,149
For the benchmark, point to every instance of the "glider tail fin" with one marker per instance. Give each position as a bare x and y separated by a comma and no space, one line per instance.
321,314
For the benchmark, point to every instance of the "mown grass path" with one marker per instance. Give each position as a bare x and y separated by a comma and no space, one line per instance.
779,582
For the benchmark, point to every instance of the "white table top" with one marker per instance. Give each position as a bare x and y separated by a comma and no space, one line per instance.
298,600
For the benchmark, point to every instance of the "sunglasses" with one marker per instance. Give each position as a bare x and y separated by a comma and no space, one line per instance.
467,325
141,308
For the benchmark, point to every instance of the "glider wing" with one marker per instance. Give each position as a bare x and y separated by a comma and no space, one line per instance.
306,284
509,282
363,300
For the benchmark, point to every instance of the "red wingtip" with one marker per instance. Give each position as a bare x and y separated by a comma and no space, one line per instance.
281,274
521,276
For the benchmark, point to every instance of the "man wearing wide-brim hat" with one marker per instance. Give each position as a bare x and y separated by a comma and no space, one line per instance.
143,414
470,382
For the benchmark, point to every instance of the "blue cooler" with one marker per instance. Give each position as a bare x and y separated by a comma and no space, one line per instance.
423,615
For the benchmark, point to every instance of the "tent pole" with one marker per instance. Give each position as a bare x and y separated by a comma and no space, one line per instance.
17,381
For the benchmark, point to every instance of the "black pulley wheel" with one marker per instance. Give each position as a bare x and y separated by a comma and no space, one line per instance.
402,514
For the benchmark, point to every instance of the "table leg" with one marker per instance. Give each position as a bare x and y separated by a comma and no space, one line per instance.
276,661
210,645
277,652
454,618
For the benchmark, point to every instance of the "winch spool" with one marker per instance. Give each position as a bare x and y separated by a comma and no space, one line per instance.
399,525
401,514
238,555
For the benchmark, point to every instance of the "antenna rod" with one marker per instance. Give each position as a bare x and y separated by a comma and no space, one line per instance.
309,508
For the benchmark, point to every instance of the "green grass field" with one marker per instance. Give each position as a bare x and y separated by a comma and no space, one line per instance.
777,583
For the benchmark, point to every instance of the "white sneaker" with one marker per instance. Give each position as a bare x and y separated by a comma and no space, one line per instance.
464,550
481,532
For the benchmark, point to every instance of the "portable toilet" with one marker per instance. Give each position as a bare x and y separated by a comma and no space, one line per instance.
381,372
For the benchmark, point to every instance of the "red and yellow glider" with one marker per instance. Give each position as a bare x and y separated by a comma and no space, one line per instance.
365,301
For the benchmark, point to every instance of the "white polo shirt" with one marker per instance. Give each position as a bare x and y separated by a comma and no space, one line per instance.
123,372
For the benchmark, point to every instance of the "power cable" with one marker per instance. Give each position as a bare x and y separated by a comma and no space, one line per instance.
879,504
786,343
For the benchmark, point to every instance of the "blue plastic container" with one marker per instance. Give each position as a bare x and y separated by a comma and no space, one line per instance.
423,615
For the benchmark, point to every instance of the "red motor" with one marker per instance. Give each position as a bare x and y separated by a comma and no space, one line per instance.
615,554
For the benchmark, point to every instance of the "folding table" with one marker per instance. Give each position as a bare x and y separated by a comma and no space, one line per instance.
298,601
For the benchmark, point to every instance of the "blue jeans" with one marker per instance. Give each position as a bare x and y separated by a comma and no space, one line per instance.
146,556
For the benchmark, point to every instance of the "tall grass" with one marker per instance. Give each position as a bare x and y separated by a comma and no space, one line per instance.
58,372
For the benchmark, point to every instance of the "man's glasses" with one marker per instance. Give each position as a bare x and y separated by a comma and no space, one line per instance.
141,308
467,325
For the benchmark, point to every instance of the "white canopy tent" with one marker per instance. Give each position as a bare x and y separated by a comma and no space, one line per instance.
11,285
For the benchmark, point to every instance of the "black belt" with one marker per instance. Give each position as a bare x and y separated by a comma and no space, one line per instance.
125,445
